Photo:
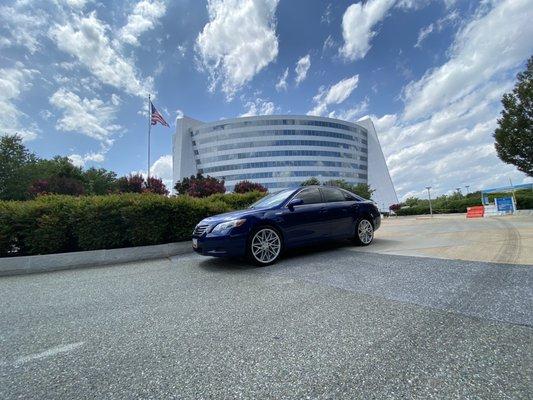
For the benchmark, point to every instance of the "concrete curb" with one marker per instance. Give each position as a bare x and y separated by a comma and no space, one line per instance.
82,259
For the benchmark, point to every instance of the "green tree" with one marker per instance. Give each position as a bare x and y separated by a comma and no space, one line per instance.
15,160
200,186
99,181
57,175
361,189
310,182
514,135
131,184
156,185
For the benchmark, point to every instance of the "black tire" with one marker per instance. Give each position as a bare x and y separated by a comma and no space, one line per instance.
364,232
268,255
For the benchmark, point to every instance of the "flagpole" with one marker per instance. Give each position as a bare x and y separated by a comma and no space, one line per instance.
149,131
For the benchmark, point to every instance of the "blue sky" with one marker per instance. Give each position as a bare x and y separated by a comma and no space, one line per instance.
74,76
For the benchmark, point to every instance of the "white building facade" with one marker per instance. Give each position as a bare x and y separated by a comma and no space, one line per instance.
281,151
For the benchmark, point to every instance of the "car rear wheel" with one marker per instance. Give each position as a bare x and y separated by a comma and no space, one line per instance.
265,246
364,234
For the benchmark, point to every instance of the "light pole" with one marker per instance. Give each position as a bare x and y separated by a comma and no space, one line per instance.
467,187
458,191
429,196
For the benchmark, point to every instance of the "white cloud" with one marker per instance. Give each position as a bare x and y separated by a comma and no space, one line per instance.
91,117
80,161
182,50
45,114
162,168
384,123
423,33
358,24
336,94
13,82
351,114
78,4
414,4
238,41
21,28
329,43
282,81
302,66
443,138
486,46
86,39
144,17
327,17
259,107
437,26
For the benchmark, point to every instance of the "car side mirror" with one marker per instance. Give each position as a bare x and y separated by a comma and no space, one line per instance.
295,202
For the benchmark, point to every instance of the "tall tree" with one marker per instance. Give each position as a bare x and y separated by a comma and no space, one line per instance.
99,181
361,189
15,159
310,182
131,184
514,135
156,185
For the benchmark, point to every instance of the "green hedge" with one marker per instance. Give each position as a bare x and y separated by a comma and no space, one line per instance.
524,201
54,224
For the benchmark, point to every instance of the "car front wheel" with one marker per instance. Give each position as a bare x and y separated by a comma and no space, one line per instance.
265,246
364,234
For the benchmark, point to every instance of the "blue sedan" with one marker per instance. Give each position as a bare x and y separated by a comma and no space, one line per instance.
287,219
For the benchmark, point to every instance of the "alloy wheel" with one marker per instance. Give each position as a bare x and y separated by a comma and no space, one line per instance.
266,246
365,231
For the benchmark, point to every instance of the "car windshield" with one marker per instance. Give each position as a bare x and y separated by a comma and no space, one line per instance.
273,199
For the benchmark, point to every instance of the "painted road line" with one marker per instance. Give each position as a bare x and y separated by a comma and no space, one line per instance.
48,353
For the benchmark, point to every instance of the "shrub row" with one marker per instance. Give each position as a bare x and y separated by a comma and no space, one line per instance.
54,224
524,201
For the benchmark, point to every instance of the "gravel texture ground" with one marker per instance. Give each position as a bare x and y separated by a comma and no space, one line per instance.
326,323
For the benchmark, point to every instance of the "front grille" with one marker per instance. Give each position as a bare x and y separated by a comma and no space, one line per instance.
200,230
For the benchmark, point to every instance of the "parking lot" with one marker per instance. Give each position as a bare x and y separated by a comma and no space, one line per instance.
332,322
505,239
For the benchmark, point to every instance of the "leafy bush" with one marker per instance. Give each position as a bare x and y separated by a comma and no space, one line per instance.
51,224
156,185
524,199
57,185
200,186
247,186
457,203
395,207
237,201
130,184
310,182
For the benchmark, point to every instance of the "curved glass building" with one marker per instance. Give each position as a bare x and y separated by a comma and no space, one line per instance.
281,151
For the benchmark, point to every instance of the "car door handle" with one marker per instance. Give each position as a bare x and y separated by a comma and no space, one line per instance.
323,210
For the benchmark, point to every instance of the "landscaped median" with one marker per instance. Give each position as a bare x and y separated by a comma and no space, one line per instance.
62,224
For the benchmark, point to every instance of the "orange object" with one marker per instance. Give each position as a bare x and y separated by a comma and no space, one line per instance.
475,212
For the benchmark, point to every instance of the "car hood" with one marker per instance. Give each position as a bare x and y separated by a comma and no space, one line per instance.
216,219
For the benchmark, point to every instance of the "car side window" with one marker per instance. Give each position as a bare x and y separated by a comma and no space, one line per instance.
349,197
332,195
309,196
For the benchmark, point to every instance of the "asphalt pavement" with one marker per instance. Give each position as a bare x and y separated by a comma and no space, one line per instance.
323,323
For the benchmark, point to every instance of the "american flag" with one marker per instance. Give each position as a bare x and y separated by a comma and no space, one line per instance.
155,116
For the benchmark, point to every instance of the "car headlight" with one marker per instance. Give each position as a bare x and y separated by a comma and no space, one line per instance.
224,226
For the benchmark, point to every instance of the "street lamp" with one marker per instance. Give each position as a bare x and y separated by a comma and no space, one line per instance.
429,196
467,187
